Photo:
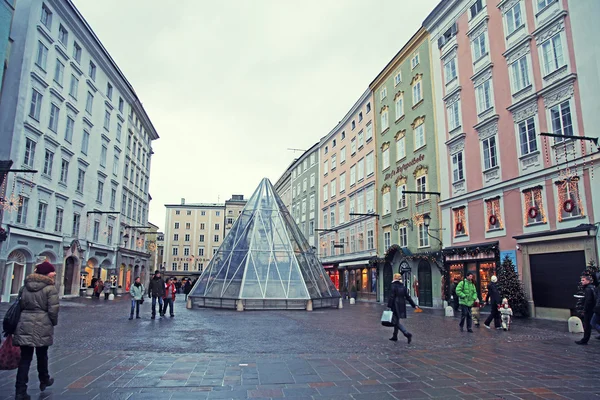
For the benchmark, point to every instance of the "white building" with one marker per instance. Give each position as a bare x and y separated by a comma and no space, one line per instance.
68,112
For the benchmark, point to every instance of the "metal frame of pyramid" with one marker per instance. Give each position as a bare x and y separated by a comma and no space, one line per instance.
264,262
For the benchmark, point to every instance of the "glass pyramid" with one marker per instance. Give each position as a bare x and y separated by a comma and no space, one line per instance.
265,261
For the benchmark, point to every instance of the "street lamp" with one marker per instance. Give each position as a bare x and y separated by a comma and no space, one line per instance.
125,239
426,220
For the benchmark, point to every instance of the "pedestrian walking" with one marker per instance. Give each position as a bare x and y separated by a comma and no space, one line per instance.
187,288
169,297
137,297
99,288
493,299
156,291
35,330
397,303
595,322
454,296
589,304
467,295
106,289
177,285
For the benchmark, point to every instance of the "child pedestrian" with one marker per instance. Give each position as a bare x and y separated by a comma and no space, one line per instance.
506,314
106,289
476,312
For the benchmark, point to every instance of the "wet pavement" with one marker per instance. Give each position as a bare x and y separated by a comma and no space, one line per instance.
324,354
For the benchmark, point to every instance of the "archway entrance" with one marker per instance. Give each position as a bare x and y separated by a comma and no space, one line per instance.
14,274
69,274
425,285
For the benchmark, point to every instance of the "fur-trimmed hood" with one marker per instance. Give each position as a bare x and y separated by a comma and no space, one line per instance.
35,282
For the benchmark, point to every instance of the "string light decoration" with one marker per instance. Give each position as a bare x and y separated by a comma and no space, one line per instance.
12,203
460,226
510,287
493,214
568,188
534,206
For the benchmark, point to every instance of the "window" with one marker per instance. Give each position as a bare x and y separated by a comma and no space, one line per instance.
385,158
113,198
369,132
383,94
527,137
29,153
360,116
63,35
417,92
58,220
326,167
312,202
109,90
479,49
403,236
85,142
360,203
414,61
450,69
201,238
42,56
361,139
312,180
453,116
475,8
89,103
53,122
80,180
387,239
493,210
174,265
368,107
342,158
59,72
400,147
544,3
76,224
22,212
484,97
100,192
353,126
342,212
109,235
303,206
41,218
121,105
385,123
186,265
69,129
423,235
352,175
397,78
420,136
217,227
36,105
422,187
353,146
73,87
332,216
48,160
569,190
533,201
401,196
216,239
64,171
333,165
326,151
560,116
325,192
215,249
116,165
490,159
188,225
201,251
77,52
360,168
119,129
176,235
520,74
103,152
457,167
553,57
46,17
92,71
399,107
514,18
386,203
107,120
342,182
186,250
175,252
370,161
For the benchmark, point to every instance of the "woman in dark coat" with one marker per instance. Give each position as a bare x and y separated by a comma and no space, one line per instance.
397,303
494,299
187,288
35,330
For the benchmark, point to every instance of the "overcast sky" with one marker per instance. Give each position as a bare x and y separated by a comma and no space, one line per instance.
231,85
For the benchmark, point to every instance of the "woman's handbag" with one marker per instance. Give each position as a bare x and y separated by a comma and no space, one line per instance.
10,355
387,318
12,316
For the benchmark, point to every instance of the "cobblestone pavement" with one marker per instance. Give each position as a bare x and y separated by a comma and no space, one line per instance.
324,354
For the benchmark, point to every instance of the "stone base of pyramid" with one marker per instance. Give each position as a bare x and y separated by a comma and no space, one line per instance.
261,304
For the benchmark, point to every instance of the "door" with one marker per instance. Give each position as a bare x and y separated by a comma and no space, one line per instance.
425,286
388,274
68,278
554,278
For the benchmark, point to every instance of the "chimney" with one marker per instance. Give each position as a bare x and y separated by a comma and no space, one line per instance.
182,201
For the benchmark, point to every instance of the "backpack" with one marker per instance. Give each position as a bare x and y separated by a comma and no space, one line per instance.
12,316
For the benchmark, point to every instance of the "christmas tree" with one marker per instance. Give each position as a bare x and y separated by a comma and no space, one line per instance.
510,287
591,270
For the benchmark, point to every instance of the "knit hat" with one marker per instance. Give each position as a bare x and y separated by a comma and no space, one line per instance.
494,279
45,268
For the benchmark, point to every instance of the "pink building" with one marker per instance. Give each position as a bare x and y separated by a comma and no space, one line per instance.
348,243
504,72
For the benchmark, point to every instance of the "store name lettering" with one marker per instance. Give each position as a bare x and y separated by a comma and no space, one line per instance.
404,166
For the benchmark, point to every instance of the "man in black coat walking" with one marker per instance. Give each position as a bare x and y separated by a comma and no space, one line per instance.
156,290
588,308
494,299
397,303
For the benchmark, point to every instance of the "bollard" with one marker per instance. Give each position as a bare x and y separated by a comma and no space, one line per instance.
575,325
309,305
111,296
189,303
352,300
340,304
240,305
449,311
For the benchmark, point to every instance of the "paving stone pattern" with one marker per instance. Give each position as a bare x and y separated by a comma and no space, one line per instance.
327,354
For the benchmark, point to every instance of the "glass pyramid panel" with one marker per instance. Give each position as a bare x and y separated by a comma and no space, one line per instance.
264,257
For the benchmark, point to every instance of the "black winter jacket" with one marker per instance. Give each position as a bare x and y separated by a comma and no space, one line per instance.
493,295
398,298
589,301
156,287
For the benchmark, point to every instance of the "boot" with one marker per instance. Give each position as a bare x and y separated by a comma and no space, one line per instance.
131,317
408,337
48,383
394,338
22,395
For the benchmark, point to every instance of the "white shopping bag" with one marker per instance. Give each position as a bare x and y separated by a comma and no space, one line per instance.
386,318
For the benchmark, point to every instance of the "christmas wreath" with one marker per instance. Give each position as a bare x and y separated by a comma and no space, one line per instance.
533,212
493,220
459,227
568,205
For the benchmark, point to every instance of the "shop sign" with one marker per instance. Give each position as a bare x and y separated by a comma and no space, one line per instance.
480,256
404,166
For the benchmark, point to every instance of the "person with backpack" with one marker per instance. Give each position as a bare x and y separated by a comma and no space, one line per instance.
589,304
35,330
467,296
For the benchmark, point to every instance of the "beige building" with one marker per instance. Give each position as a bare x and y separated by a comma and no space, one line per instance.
194,232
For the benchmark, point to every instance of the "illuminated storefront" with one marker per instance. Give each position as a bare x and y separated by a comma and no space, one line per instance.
363,277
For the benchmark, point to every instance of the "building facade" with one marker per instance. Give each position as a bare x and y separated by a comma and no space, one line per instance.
348,209
7,8
233,209
305,193
505,71
70,115
283,186
407,161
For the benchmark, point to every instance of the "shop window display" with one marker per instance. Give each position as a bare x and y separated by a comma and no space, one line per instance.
486,270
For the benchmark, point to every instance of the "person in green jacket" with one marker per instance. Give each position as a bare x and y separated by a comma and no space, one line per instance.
137,297
467,295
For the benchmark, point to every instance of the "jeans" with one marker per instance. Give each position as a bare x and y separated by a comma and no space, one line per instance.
160,305
168,302
494,315
106,296
465,313
25,363
595,322
399,327
135,304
